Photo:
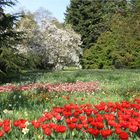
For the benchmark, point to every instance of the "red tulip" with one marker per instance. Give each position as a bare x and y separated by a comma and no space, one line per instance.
1,133
72,126
94,132
1,124
36,124
47,131
133,128
7,129
106,133
123,136
79,126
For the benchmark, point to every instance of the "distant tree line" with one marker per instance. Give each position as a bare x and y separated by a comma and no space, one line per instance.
110,31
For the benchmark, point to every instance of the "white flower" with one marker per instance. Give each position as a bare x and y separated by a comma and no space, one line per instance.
46,110
27,123
25,130
7,111
26,114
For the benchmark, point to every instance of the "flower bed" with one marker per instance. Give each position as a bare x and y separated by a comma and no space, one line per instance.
86,121
63,87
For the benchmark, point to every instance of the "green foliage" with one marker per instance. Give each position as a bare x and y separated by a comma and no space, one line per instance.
11,40
9,59
110,32
91,18
118,48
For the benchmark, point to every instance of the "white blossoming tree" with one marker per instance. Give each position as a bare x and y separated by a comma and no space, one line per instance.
56,46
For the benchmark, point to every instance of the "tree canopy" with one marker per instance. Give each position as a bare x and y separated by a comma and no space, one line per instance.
9,59
109,30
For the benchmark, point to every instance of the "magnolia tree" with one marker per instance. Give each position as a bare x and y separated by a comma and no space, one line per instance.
62,45
56,47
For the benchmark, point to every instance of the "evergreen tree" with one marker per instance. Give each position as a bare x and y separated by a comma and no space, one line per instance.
9,58
91,18
107,30
117,48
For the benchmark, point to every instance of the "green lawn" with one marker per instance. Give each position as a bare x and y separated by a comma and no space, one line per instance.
116,85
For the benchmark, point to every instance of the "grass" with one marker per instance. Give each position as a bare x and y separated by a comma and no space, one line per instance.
116,85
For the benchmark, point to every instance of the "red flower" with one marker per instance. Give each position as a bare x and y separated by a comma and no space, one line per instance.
85,125
93,123
112,123
118,130
124,136
48,116
67,113
88,112
1,123
61,129
36,124
79,126
106,133
53,125
43,119
133,128
1,134
82,118
74,120
84,121
22,125
124,124
76,113
68,121
6,123
72,126
90,119
16,123
58,117
94,132
44,126
99,125
7,129
47,131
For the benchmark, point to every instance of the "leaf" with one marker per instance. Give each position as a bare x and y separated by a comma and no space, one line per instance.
64,135
73,133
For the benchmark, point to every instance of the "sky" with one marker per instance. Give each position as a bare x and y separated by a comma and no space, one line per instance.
56,7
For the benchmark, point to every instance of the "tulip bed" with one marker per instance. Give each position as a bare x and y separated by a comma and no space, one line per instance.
120,120
62,87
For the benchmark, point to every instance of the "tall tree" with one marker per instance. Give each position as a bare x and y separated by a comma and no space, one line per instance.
91,18
117,48
9,59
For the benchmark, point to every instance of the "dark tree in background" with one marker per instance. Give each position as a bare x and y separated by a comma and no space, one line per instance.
9,37
91,18
109,30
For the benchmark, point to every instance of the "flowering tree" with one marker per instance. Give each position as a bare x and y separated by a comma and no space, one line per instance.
63,45
56,46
